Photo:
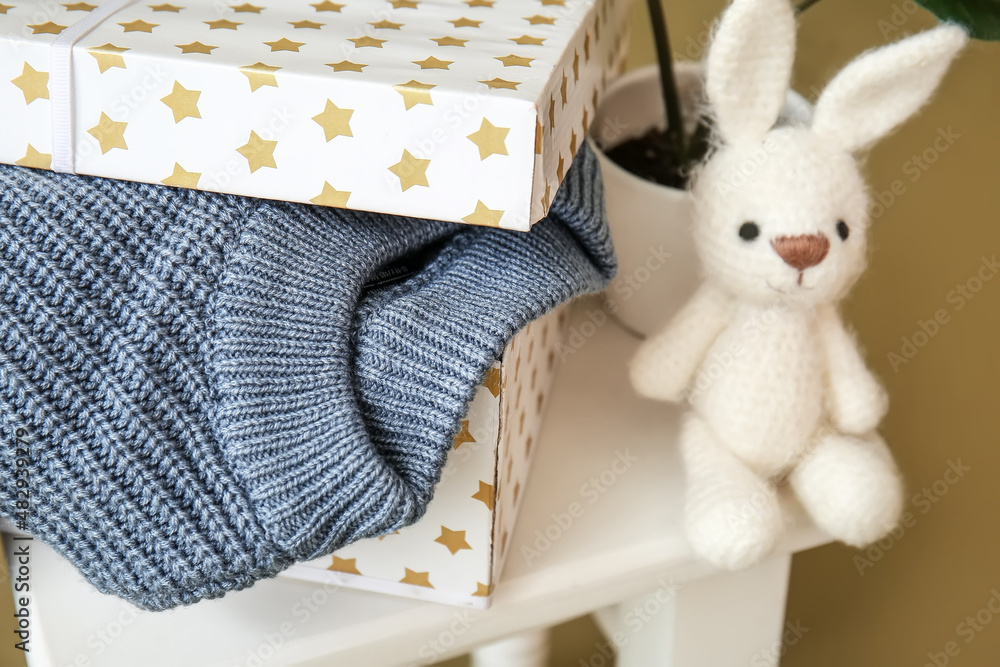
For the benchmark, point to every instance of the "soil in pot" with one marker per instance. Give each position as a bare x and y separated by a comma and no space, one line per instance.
652,156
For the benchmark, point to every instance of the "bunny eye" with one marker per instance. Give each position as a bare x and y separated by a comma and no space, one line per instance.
843,230
749,231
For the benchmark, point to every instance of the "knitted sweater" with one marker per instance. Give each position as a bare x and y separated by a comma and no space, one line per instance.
209,388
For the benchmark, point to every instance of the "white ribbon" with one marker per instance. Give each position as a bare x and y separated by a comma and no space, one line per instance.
61,83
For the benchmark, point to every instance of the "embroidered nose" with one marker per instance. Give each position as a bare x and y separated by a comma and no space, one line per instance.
801,252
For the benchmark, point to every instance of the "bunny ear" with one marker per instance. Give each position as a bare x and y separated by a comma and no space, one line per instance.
882,88
749,67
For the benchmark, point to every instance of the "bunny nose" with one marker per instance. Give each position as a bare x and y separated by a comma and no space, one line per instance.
801,252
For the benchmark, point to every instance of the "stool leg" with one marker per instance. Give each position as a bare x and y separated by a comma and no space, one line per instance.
527,649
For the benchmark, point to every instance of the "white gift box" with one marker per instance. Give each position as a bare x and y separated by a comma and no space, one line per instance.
455,553
460,110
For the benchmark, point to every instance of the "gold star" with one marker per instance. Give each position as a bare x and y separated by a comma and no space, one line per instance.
196,47
547,199
138,25
108,56
453,539
514,61
327,6
586,46
539,134
331,197
32,158
465,23
181,178
546,3
501,83
480,3
165,7
258,152
346,66
306,24
433,63
79,7
463,436
411,171
284,44
34,84
527,39
485,494
404,4
572,143
490,139
552,111
576,66
222,24
183,102
562,89
538,19
586,121
416,578
386,25
492,382
482,590
415,93
335,121
47,28
4,8
346,565
449,41
360,42
247,8
486,217
561,169
259,75
109,133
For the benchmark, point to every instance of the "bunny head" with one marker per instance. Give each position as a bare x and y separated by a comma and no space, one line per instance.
782,212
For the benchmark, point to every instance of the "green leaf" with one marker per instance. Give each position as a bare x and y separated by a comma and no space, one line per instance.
980,17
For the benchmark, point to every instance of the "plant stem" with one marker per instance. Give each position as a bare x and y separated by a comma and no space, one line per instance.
804,5
671,98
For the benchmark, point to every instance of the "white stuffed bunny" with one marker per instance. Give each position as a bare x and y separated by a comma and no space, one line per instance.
777,387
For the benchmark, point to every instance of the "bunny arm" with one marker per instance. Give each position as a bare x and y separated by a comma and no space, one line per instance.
665,364
856,400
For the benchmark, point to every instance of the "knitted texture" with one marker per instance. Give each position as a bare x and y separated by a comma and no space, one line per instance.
210,388
777,386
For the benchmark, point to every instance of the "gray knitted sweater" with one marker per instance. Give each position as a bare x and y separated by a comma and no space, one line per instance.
197,390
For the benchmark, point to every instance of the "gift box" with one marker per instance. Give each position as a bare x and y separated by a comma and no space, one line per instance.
467,111
455,553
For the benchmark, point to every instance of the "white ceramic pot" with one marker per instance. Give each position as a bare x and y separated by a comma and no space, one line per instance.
651,223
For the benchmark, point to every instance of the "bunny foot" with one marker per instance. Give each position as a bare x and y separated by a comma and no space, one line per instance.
851,488
732,517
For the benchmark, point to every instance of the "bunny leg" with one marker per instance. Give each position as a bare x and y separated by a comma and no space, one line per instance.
851,487
732,517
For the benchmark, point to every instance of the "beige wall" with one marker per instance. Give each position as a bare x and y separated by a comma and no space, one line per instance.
945,403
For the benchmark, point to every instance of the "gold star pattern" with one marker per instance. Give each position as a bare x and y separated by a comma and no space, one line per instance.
331,197
404,4
552,112
327,6
334,121
547,199
411,171
480,3
222,24
572,143
259,75
453,539
360,42
284,44
415,93
490,139
109,133
539,134
79,7
546,3
386,25
514,61
433,63
463,436
502,83
586,46
562,89
34,159
561,169
416,578
108,56
492,382
465,23
528,39
47,28
298,25
537,19
258,152
138,25
482,590
33,84
346,66
196,47
183,102
166,7
345,565
484,216
576,66
247,8
449,41
181,178
4,8
485,494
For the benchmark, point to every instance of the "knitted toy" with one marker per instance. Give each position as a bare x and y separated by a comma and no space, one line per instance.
778,389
